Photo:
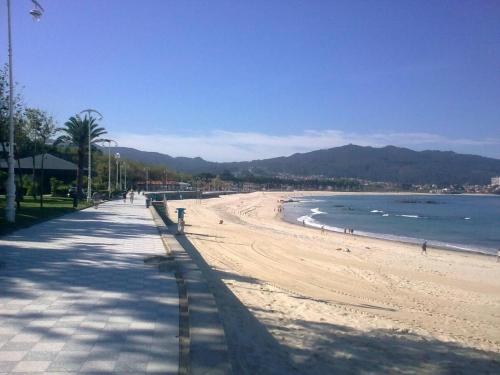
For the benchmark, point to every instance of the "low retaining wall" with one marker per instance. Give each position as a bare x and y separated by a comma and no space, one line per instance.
205,341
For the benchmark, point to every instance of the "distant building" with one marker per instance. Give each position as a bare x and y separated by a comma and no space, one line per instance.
53,166
495,181
51,163
158,185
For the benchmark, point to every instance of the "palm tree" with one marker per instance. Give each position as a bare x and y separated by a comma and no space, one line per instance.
76,132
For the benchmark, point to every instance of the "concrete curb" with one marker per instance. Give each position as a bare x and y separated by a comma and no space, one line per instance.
207,352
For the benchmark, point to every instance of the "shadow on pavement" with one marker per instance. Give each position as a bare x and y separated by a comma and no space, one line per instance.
97,299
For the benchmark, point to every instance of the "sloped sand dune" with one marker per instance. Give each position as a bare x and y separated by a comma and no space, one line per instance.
293,300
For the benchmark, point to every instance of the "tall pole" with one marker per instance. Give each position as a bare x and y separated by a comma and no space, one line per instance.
109,169
89,178
125,167
10,208
116,185
117,157
109,163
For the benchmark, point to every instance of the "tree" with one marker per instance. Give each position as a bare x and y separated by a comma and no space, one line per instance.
76,132
40,129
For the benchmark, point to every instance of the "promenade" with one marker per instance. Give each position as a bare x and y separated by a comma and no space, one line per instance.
76,296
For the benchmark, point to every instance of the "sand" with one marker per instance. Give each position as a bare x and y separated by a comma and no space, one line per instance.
293,300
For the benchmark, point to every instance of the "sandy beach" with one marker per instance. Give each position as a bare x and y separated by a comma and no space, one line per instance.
295,300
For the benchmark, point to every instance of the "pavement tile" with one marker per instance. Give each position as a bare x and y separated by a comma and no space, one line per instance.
7,365
73,346
161,367
63,331
98,366
129,366
49,346
64,366
40,356
17,346
5,338
26,337
9,330
42,323
12,355
31,366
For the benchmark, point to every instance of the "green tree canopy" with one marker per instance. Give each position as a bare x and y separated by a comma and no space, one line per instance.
76,133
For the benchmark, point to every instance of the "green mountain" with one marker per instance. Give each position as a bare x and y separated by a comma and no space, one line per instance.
390,164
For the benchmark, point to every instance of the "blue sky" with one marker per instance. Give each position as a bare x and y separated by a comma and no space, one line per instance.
237,80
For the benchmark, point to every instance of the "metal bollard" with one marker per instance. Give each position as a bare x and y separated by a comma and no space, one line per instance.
180,226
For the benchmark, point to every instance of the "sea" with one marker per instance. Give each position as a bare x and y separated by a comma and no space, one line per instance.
456,222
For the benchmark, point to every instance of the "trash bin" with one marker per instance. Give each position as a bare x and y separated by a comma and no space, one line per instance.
148,202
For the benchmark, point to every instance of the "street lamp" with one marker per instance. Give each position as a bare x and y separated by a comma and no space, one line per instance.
89,178
125,170
10,206
37,11
109,162
117,158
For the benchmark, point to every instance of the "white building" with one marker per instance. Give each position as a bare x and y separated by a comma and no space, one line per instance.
495,181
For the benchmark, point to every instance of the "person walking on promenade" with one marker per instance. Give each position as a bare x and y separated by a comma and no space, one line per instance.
131,197
124,195
424,248
96,199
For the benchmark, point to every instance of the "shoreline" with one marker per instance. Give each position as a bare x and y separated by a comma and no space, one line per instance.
369,235
432,244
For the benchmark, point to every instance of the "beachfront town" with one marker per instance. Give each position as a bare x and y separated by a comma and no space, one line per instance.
58,173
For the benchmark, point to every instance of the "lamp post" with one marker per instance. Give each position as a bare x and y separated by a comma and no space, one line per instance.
117,158
89,178
108,141
10,206
125,172
121,176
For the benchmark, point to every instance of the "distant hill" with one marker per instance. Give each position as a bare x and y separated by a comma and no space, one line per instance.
391,164
178,164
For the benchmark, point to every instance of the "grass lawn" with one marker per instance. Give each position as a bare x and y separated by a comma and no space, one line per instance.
30,212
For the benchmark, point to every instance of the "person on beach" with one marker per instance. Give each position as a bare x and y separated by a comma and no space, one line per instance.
131,197
322,229
424,248
498,255
124,196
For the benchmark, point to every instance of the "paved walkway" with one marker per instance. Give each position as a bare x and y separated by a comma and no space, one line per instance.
77,298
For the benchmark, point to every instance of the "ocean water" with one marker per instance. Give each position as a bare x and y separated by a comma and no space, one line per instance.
460,222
